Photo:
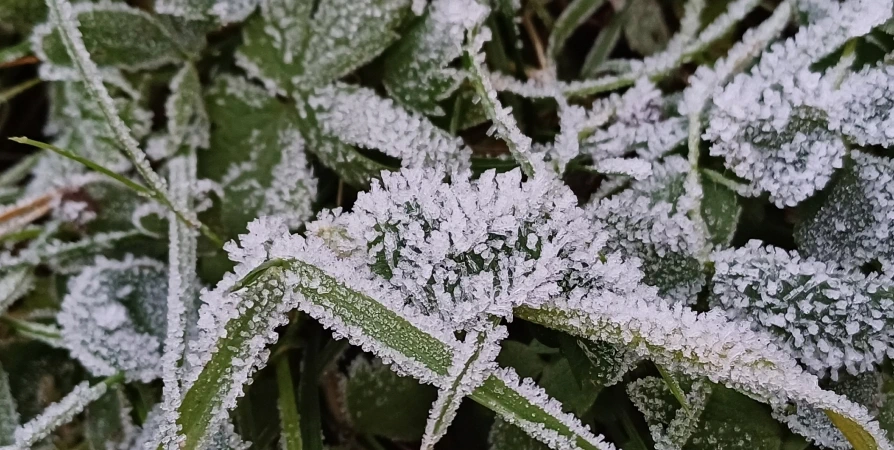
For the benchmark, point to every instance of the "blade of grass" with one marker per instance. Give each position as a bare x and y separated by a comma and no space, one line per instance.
572,17
289,418
11,92
605,42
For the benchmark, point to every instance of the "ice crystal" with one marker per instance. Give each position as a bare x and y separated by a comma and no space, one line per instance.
865,109
113,317
830,318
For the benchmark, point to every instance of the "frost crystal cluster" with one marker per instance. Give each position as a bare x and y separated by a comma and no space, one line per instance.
334,224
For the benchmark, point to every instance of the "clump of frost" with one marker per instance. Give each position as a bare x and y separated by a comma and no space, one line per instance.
830,318
113,317
864,106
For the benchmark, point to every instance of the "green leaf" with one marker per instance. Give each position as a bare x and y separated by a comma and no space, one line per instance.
559,381
599,364
22,14
116,35
380,402
290,51
521,357
257,155
289,419
416,69
722,424
505,436
649,33
720,209
575,14
853,224
9,417
107,420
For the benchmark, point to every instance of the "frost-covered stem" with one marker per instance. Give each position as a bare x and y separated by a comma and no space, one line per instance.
503,123
62,16
181,281
61,412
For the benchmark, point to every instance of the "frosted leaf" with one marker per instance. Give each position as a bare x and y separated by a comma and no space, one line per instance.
84,130
187,121
113,317
638,123
224,11
505,436
572,121
416,71
598,363
471,249
289,50
116,35
720,208
9,416
57,414
380,402
780,141
853,225
107,423
22,13
670,424
649,32
650,222
472,363
830,318
257,154
358,116
329,279
13,285
865,109
63,257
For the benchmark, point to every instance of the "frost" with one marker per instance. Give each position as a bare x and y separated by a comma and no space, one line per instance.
650,221
358,116
225,11
670,424
853,225
113,317
780,141
417,74
469,250
829,318
864,109
57,414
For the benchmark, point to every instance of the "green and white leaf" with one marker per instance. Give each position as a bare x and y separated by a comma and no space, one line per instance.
223,11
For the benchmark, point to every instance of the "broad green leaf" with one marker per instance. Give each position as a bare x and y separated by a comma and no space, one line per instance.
560,382
257,154
290,51
720,210
521,357
116,35
735,422
113,317
108,421
505,436
380,402
416,69
9,416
